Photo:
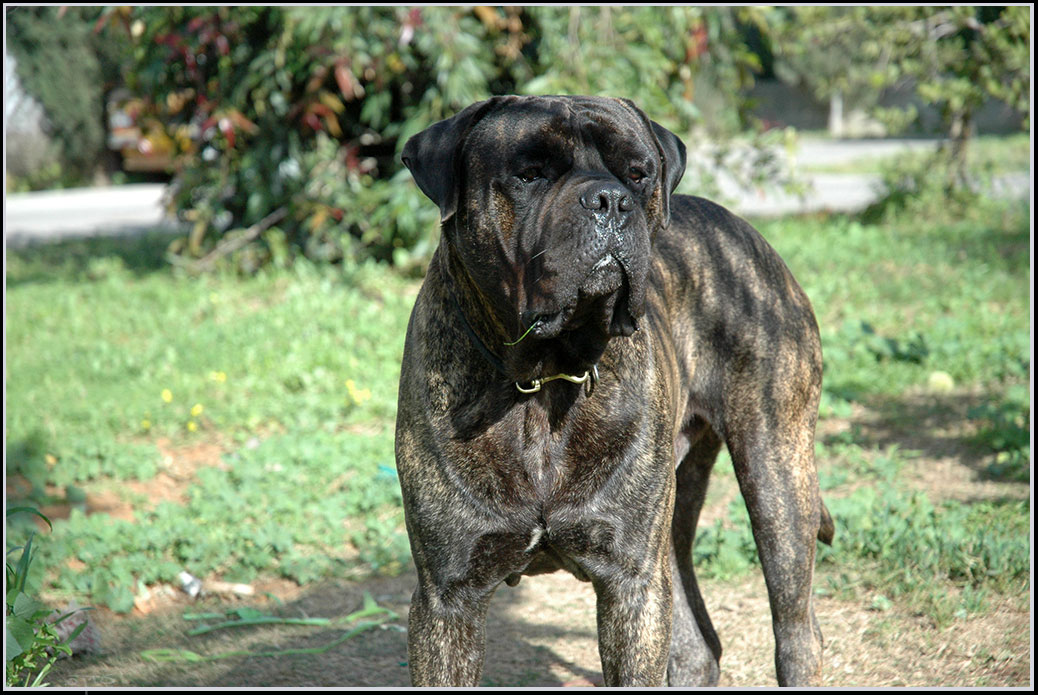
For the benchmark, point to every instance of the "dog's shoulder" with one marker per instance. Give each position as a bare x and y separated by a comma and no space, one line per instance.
698,221
712,240
725,268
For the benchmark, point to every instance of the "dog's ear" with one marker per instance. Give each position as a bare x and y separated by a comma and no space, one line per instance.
673,161
431,155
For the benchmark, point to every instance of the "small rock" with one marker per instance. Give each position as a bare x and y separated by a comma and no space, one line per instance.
86,642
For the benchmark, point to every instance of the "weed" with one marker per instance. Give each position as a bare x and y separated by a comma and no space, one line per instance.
32,643
1006,430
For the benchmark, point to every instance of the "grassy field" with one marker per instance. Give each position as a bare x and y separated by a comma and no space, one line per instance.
242,429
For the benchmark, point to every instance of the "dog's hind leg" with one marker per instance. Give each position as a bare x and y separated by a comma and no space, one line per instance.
695,650
776,473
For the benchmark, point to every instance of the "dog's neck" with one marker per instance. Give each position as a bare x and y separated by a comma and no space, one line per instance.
570,356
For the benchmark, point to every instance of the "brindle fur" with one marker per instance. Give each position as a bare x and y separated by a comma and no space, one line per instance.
702,338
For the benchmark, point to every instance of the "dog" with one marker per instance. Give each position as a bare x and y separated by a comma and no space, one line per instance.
584,343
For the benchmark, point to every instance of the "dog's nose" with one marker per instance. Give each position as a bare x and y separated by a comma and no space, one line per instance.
607,198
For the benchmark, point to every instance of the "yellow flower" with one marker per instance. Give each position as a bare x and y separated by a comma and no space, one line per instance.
358,396
145,424
167,395
197,409
219,377
192,426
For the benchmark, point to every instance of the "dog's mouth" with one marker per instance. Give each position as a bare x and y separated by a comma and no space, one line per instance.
602,301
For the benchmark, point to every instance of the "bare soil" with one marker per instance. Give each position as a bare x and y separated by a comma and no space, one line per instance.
542,632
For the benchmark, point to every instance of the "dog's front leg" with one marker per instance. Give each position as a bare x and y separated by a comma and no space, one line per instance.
634,625
446,638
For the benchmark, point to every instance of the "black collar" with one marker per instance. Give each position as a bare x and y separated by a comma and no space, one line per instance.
496,362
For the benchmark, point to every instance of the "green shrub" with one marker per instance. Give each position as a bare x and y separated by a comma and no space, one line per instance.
302,111
68,67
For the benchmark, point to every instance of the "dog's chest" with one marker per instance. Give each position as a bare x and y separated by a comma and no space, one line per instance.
539,452
568,455
559,490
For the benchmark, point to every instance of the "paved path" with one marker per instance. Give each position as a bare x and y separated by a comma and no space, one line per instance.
843,192
81,212
129,209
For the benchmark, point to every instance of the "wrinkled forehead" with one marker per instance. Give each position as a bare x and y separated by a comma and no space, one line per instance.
548,127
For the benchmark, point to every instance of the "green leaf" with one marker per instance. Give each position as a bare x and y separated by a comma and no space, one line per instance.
165,655
20,633
30,510
28,608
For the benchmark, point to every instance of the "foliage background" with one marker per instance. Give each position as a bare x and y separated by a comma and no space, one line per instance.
283,124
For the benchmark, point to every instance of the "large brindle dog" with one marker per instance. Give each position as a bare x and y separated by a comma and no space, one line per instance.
584,344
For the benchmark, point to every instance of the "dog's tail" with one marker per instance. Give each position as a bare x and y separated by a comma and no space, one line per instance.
827,529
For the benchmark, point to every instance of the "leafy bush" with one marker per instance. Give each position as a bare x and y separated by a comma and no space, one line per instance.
68,67
923,187
301,111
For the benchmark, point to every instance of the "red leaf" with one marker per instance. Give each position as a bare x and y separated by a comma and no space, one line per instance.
102,20
320,109
227,128
700,42
344,78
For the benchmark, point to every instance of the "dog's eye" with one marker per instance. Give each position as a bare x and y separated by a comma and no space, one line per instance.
530,174
636,175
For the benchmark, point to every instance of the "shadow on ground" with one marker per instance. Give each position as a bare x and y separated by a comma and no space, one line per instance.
140,252
940,431
525,647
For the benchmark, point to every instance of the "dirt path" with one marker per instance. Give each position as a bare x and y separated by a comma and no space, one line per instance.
542,633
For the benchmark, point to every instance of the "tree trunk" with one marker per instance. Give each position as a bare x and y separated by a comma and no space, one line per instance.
836,127
961,132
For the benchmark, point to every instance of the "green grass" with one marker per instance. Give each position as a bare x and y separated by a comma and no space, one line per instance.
108,362
113,355
898,302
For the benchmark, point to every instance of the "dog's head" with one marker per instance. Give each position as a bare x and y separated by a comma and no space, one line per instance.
551,204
